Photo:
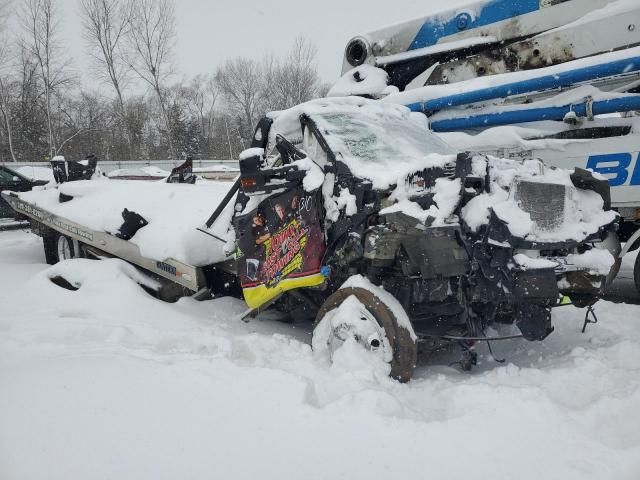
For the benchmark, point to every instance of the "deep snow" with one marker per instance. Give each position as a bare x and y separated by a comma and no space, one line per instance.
109,383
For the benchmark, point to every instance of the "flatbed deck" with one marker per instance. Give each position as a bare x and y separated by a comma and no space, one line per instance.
188,276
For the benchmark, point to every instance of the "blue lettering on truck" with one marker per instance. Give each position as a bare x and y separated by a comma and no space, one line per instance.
621,165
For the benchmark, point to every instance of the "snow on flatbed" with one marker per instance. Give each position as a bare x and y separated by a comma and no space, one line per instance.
107,382
174,213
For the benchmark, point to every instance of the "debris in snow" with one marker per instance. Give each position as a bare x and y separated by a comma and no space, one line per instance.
362,80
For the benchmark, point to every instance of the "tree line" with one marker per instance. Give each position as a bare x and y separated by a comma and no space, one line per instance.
141,112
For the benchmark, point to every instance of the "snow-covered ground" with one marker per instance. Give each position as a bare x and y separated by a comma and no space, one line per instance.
109,383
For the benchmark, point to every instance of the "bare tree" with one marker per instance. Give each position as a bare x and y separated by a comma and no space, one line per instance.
7,95
241,82
151,39
201,95
105,24
293,80
40,22
79,115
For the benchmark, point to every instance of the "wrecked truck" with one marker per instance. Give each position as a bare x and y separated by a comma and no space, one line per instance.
349,213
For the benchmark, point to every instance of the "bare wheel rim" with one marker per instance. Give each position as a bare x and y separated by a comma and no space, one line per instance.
65,251
368,314
353,321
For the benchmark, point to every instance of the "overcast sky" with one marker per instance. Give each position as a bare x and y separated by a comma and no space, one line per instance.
211,30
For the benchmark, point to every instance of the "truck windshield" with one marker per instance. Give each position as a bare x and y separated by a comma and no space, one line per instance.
379,147
373,138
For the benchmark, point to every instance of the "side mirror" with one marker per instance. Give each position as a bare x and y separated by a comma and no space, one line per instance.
16,179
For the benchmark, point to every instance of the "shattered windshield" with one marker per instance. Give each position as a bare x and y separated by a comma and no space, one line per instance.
372,138
378,141
380,147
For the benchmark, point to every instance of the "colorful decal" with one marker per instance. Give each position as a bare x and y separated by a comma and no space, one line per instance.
281,246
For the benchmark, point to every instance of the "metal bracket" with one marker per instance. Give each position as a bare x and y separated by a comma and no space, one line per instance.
590,313
589,107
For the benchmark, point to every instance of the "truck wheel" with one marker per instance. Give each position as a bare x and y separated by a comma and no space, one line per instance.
636,273
64,248
50,249
59,247
359,314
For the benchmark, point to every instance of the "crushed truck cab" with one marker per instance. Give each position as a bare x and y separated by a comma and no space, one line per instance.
351,213
353,187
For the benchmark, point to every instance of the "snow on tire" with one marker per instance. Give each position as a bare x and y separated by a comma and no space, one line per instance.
374,319
59,247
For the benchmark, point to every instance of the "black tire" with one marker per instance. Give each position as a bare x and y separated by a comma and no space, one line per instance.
404,348
52,248
636,273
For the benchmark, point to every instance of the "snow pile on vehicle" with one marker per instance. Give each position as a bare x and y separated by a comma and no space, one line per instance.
583,211
596,261
109,382
362,80
80,273
334,204
446,196
174,213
